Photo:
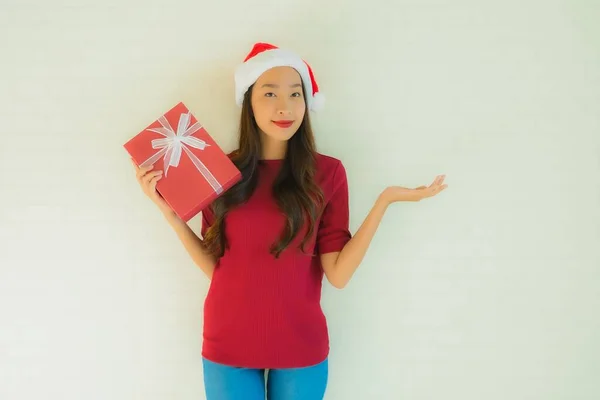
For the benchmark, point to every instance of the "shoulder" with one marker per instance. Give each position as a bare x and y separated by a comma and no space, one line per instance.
325,161
331,172
329,165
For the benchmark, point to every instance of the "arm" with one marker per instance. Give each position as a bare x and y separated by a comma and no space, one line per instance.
192,243
340,266
147,178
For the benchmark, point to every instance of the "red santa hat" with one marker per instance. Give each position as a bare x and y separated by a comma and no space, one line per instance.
265,56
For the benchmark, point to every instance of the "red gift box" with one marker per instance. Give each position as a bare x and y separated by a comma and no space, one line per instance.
195,169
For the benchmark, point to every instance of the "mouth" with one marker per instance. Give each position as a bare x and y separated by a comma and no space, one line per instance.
283,124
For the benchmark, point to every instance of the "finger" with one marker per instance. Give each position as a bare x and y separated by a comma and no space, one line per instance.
150,175
142,171
153,181
438,189
434,189
437,181
140,174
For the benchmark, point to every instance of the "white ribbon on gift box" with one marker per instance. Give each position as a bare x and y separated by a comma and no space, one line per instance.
173,143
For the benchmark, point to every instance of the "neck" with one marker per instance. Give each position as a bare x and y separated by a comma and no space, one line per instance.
273,149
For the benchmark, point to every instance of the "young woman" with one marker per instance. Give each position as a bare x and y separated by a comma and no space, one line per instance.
269,240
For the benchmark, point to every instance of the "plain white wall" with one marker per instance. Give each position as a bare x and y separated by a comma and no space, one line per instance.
489,291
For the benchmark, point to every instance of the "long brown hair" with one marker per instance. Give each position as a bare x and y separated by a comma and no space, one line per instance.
294,189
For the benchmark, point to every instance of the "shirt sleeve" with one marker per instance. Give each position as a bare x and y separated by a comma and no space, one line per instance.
333,232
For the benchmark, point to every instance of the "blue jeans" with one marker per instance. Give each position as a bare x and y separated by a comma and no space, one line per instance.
222,382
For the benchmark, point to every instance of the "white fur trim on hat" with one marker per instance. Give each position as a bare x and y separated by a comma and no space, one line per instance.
248,72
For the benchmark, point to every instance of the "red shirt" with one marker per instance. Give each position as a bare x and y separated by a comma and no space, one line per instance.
262,312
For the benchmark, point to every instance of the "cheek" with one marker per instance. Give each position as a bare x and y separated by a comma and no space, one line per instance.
262,116
260,109
300,109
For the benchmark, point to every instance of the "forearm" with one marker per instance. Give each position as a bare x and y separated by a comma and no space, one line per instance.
354,251
193,244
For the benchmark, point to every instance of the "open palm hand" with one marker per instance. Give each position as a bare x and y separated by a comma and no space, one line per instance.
393,194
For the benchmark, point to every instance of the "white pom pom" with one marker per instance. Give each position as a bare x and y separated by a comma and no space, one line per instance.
318,102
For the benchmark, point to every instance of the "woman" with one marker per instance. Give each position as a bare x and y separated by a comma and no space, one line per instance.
269,240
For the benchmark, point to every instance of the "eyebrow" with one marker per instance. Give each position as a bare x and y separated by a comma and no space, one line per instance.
271,85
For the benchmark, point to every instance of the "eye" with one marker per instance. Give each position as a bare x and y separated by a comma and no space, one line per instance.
297,94
269,94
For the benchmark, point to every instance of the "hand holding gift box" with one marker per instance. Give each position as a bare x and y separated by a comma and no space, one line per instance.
195,171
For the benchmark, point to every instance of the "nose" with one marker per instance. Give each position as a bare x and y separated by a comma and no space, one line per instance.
283,107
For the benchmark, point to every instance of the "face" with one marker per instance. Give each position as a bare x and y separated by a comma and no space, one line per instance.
278,103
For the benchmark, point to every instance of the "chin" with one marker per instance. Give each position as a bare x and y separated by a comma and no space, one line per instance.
282,137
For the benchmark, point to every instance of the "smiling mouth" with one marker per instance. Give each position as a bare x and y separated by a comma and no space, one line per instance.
283,124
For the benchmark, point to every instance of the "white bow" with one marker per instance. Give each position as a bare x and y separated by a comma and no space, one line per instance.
173,143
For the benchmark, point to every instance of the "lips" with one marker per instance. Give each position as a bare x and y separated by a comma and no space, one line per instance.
283,124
